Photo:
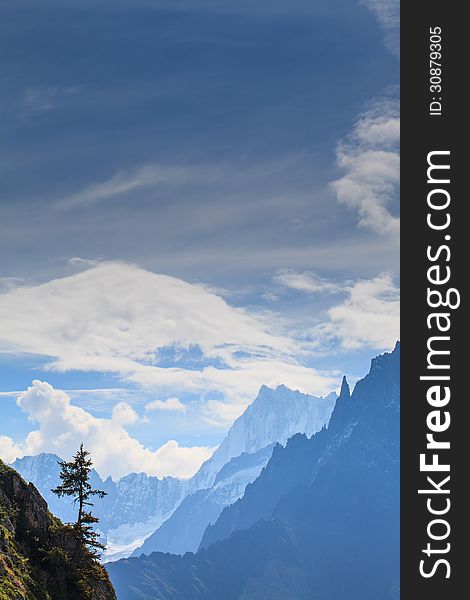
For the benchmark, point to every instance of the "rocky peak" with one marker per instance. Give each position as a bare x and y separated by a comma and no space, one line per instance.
345,391
274,416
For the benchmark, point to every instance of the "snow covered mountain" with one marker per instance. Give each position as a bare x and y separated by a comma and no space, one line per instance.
322,520
137,505
273,417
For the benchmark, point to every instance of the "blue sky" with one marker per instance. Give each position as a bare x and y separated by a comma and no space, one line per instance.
197,198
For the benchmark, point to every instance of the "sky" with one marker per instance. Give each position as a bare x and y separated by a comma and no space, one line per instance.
198,198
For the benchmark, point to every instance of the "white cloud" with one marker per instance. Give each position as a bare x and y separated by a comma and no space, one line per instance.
144,176
306,282
370,158
170,404
387,13
369,317
118,184
222,414
9,283
78,261
117,318
124,414
9,450
63,426
241,382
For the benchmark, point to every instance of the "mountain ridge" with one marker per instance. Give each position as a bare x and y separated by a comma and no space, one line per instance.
242,514
330,533
272,409
184,530
137,505
271,418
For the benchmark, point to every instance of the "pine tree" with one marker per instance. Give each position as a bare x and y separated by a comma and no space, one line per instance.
75,476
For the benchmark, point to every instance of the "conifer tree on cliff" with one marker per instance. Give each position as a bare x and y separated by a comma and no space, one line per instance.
75,476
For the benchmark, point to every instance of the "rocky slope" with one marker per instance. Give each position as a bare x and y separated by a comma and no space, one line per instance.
135,506
40,558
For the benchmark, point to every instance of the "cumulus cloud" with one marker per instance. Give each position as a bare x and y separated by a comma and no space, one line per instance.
124,414
369,317
63,426
369,157
118,318
170,404
9,450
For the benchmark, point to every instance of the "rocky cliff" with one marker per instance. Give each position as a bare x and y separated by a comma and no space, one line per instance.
40,558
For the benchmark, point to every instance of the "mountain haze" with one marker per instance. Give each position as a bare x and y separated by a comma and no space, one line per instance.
137,505
184,530
272,418
321,522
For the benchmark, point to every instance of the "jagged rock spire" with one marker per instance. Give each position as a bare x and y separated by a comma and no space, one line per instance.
345,391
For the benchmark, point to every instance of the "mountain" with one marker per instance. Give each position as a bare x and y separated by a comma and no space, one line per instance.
137,505
183,531
134,507
40,558
321,522
273,417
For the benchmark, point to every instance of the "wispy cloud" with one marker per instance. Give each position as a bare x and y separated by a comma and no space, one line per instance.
369,317
306,282
117,318
41,99
170,404
9,283
370,158
103,392
387,13
144,176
